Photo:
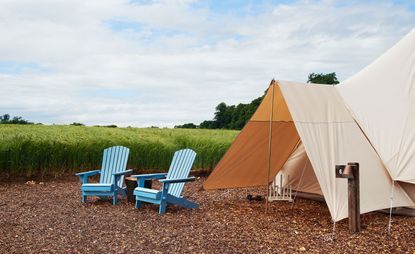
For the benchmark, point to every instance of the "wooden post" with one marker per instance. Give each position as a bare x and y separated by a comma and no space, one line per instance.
351,172
354,199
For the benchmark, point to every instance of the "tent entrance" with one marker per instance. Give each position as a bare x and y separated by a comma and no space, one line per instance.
295,177
302,176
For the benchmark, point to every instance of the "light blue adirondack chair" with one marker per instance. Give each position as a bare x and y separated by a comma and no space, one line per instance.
172,183
113,170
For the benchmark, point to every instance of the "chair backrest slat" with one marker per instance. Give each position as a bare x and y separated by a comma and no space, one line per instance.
114,160
180,168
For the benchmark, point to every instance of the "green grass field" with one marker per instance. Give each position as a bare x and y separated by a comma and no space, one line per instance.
38,150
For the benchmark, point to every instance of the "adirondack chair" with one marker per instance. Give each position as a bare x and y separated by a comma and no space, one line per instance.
172,183
113,170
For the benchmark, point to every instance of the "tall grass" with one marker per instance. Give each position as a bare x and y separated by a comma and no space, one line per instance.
31,150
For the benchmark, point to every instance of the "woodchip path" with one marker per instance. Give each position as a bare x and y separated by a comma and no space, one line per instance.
50,218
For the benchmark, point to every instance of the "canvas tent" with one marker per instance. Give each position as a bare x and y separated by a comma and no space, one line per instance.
311,128
388,117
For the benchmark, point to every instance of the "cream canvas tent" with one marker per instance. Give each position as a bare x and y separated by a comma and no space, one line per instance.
388,117
313,127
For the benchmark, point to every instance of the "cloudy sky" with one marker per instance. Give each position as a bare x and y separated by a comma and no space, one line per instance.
167,62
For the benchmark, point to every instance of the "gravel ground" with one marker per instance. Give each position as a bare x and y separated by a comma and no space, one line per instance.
50,218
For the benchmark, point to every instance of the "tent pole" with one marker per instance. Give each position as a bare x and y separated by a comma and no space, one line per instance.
270,144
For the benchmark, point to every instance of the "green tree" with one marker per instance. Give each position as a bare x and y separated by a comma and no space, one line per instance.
5,119
321,78
223,115
77,124
208,124
232,117
186,126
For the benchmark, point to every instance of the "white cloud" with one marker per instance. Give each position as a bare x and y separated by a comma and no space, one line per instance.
179,61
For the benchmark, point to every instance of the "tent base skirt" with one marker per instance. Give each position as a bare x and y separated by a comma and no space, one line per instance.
404,211
311,196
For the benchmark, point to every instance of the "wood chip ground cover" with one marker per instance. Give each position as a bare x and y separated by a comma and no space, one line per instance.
50,218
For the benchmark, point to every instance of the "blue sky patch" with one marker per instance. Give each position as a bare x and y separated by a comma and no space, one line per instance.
240,7
14,67
119,25
406,3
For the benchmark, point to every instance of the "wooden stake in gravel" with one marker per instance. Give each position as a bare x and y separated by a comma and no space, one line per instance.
269,145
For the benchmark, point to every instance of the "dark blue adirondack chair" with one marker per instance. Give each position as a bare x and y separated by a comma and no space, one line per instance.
172,183
113,170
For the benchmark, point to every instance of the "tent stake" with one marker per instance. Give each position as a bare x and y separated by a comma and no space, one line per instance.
270,144
333,234
390,209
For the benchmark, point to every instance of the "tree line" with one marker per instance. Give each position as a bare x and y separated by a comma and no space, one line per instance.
236,116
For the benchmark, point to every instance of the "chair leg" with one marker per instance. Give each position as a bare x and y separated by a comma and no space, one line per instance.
83,198
115,198
137,203
162,209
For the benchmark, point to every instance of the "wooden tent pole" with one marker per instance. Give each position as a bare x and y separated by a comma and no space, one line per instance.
270,145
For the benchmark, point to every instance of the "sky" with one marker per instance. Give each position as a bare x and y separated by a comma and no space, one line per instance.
166,62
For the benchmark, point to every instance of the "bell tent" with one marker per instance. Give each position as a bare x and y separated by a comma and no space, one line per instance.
307,129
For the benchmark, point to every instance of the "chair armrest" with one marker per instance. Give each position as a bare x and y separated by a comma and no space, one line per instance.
89,173
126,172
150,176
117,176
83,176
141,178
178,180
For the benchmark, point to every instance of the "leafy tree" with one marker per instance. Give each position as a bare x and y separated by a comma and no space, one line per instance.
208,124
321,78
223,115
77,124
186,126
5,119
232,117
